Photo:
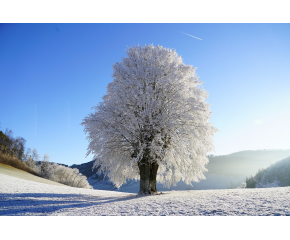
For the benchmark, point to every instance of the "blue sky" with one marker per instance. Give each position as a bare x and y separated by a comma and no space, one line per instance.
52,74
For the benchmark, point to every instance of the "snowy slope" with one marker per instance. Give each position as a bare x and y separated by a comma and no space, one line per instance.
22,197
15,172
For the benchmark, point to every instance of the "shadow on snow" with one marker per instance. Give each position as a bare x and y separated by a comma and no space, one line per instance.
44,203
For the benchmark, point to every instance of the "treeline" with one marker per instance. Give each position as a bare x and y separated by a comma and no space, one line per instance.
276,175
10,146
14,153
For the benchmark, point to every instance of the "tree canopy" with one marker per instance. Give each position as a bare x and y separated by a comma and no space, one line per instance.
154,114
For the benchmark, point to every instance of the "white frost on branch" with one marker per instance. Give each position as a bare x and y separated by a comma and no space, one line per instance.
155,101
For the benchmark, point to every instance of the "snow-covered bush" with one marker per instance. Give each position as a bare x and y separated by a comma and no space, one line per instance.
69,176
55,172
64,175
236,185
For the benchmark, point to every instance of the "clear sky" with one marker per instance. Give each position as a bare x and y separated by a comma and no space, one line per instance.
52,74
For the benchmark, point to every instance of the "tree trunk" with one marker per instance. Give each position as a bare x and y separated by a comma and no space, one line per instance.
144,178
153,173
148,173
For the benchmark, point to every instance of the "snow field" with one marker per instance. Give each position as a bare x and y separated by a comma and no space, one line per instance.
22,197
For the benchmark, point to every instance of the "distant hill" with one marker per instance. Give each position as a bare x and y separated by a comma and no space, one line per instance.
244,163
39,163
85,168
276,175
223,171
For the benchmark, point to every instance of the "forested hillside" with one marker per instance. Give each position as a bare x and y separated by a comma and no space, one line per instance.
276,175
85,168
244,163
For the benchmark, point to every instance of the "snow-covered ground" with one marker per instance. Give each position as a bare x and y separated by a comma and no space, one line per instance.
23,197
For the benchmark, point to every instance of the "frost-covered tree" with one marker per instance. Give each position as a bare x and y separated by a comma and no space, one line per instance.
35,155
68,176
153,123
30,162
45,166
46,157
27,154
